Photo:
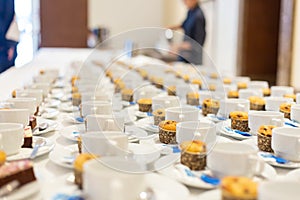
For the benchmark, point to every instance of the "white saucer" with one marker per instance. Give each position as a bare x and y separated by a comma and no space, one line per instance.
147,124
63,156
289,165
221,128
50,113
52,126
69,131
68,107
163,187
166,166
293,175
52,103
25,152
137,132
210,195
213,118
72,118
24,192
134,110
66,98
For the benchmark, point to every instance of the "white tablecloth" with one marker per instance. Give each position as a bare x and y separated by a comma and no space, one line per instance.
46,171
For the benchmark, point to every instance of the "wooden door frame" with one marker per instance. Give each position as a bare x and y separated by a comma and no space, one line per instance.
285,46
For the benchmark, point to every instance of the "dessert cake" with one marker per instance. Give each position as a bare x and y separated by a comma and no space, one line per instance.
76,99
78,167
242,85
172,90
127,95
292,96
264,138
197,82
239,121
266,92
32,122
257,103
210,106
233,94
227,81
238,188
27,137
145,105
20,171
286,109
159,115
192,98
74,79
167,132
193,154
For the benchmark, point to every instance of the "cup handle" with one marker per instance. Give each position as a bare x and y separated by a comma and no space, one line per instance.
181,117
109,125
257,164
277,122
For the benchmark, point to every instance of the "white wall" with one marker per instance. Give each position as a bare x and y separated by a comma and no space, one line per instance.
296,49
121,15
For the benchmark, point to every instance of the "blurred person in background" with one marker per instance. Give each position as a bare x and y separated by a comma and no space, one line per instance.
194,30
8,51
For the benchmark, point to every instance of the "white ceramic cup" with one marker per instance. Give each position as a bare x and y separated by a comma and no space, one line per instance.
259,118
256,85
165,102
295,113
43,86
196,130
20,116
230,105
95,96
104,122
234,159
11,137
115,184
278,190
273,103
105,143
34,93
181,114
24,103
298,98
95,107
183,89
280,91
243,79
246,93
145,92
286,143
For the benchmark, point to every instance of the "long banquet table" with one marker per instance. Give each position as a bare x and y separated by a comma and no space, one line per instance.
51,177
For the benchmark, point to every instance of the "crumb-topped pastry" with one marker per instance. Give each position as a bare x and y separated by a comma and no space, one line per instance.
192,98
167,132
197,82
286,109
145,105
76,99
242,85
158,82
227,81
78,166
193,154
292,96
127,95
239,121
266,92
186,78
159,115
212,87
213,75
74,79
264,138
119,85
257,103
210,106
172,90
21,171
2,157
233,94
238,188
14,94
74,89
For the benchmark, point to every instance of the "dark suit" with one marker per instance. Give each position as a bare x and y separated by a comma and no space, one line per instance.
7,10
194,29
